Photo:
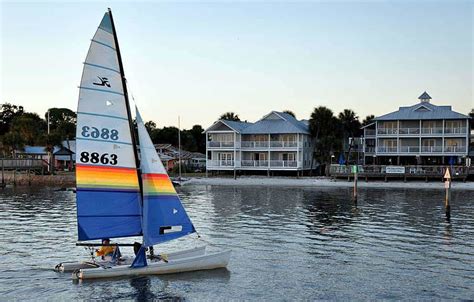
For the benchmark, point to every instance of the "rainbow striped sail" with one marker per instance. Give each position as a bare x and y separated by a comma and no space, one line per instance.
108,192
164,217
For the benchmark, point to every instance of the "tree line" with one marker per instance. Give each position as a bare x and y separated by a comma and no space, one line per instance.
19,128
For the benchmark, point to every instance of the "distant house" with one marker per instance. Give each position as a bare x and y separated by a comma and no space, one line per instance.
420,134
62,156
276,142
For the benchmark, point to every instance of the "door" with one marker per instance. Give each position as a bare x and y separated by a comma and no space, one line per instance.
226,159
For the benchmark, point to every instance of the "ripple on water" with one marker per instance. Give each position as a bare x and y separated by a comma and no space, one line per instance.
288,244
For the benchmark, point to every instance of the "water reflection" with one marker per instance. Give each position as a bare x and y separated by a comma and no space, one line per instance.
142,289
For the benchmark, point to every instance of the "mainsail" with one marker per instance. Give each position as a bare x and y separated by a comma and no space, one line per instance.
164,217
108,191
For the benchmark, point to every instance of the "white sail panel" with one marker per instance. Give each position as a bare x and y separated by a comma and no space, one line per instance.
103,80
97,102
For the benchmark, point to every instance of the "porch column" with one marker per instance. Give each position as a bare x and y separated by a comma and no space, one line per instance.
442,138
468,130
376,138
398,136
269,153
419,141
297,151
235,151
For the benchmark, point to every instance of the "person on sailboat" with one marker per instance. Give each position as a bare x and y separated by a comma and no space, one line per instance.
106,251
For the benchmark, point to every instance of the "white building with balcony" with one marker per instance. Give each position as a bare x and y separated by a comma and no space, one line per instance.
276,142
423,133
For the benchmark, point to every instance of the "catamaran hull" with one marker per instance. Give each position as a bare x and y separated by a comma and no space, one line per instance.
65,267
196,263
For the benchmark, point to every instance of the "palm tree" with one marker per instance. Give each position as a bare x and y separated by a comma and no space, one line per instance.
323,126
290,113
368,119
350,127
230,116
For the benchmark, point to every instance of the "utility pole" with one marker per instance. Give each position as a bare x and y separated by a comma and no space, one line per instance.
179,147
50,164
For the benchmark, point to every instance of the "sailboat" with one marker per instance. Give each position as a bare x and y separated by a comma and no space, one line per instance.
121,193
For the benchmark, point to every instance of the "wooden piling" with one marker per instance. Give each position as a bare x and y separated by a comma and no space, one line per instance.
3,173
447,200
354,195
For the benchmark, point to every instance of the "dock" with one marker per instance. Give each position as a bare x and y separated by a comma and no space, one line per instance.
366,172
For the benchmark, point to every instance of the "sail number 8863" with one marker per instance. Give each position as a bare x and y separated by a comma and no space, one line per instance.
96,158
103,133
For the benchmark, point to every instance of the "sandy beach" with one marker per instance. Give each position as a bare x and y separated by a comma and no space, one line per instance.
324,182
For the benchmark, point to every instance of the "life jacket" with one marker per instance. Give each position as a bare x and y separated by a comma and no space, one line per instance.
105,251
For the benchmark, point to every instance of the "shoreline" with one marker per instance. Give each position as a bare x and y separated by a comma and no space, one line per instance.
67,179
323,182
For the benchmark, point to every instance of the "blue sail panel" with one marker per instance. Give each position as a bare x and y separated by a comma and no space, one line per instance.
164,219
108,214
140,259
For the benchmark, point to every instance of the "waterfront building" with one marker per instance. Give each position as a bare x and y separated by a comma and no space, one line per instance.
276,142
421,134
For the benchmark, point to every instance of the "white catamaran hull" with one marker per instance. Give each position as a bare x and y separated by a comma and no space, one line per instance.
72,266
177,265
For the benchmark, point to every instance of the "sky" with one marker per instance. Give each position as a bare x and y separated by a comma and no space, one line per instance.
198,60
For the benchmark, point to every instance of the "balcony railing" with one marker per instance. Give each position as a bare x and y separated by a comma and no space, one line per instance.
409,149
409,131
220,163
424,149
284,163
387,150
283,144
265,144
461,130
431,131
431,149
455,149
416,131
387,131
254,163
218,144
254,144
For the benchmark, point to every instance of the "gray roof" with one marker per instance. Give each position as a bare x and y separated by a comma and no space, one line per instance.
424,96
422,111
286,123
237,126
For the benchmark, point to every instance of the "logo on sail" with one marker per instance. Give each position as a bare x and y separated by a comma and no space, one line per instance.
103,82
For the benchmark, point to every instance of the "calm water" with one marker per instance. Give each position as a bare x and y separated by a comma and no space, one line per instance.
287,244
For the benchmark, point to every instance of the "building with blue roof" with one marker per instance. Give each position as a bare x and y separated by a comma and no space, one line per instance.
276,142
420,134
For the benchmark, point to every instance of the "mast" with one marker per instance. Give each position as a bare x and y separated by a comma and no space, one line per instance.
179,147
127,103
